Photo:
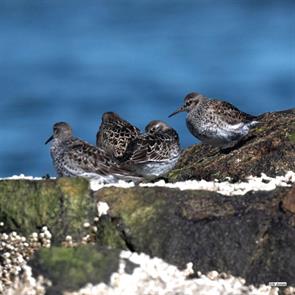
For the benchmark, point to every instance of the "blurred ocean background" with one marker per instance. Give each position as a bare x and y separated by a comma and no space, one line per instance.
73,60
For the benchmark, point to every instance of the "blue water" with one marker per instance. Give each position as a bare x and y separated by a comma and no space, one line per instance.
73,60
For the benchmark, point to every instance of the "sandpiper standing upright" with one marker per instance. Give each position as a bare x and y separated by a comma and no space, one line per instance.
215,122
155,152
74,157
115,134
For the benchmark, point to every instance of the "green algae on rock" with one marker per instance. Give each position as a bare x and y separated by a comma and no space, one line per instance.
63,205
269,148
72,268
236,235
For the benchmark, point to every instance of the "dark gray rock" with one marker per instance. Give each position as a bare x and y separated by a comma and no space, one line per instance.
250,236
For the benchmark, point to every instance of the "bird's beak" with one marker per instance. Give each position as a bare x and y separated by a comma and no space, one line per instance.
181,109
49,139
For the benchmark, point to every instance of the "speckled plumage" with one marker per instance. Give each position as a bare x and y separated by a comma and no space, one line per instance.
155,152
74,157
215,122
115,134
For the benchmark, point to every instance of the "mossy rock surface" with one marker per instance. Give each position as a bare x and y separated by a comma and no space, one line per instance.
70,269
269,148
63,205
251,236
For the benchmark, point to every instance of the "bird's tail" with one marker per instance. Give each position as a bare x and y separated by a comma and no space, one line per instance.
128,178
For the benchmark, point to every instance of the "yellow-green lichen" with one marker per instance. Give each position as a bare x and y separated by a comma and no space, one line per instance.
72,268
62,205
291,137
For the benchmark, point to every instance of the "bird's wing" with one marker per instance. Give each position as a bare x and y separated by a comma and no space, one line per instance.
115,136
119,127
232,114
148,148
90,158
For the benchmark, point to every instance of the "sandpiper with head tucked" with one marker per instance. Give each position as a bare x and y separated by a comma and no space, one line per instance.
155,152
74,157
115,134
215,122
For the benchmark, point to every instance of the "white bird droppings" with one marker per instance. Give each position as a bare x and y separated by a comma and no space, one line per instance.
253,183
262,183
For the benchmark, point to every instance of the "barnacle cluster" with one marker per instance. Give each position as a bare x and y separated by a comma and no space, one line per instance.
16,250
